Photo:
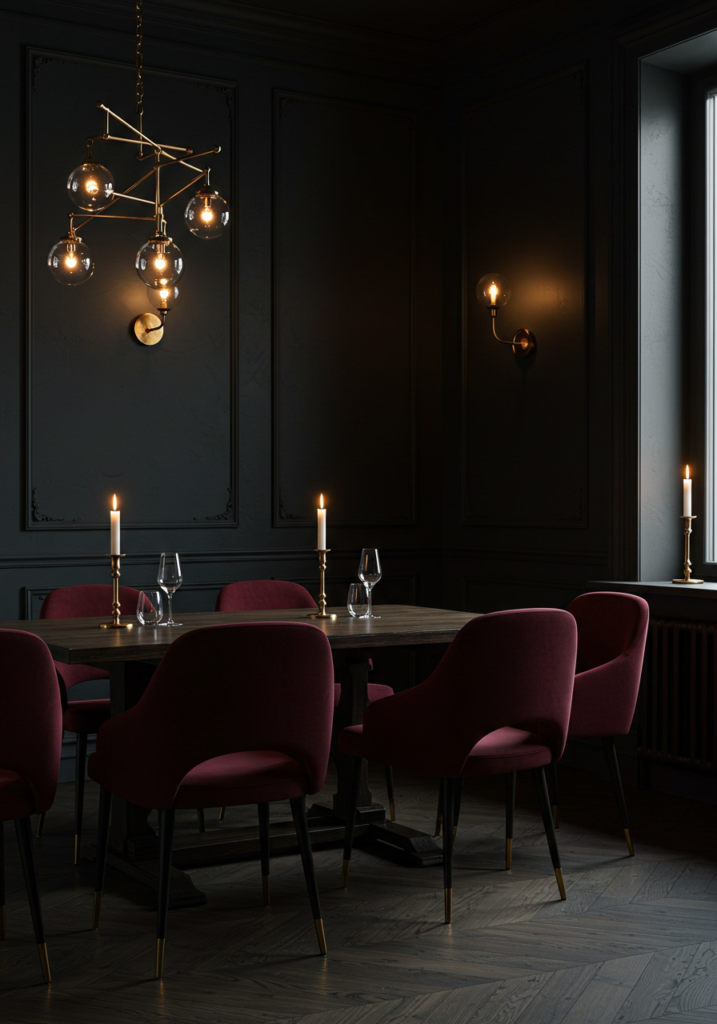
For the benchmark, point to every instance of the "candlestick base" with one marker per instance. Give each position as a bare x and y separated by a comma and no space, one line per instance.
688,581
321,615
688,564
116,625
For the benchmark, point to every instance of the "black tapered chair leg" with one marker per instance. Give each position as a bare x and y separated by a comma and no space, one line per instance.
458,794
543,798
103,836
510,781
553,790
80,762
2,882
23,829
608,743
264,847
388,771
166,835
448,791
439,813
298,811
355,778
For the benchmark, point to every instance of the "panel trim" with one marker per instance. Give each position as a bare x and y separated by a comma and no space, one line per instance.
281,516
469,113
39,518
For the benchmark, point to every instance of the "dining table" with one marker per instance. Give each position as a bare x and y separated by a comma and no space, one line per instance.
130,655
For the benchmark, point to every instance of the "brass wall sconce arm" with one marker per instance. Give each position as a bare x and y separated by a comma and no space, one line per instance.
495,292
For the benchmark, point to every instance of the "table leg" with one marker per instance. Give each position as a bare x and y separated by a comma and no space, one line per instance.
128,681
351,670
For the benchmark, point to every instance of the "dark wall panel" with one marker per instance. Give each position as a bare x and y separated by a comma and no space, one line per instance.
344,209
525,423
105,413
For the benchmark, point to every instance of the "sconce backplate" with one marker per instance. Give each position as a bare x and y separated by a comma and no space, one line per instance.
523,343
148,329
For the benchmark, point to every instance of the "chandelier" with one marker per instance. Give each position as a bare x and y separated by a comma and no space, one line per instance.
91,188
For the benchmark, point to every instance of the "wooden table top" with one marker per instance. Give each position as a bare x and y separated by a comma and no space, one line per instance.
79,641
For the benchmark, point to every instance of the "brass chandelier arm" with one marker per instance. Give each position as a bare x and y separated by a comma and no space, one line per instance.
184,188
141,137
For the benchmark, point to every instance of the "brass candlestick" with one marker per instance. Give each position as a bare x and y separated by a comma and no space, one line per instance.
688,563
116,624
322,613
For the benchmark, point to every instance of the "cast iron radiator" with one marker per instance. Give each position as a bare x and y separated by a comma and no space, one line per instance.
677,709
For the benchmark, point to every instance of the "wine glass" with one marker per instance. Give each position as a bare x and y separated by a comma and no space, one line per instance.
369,573
357,602
169,578
149,607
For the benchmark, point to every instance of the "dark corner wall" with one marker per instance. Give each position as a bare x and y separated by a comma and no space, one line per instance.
332,342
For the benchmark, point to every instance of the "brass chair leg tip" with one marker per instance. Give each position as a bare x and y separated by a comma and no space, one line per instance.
265,889
508,854
561,884
448,893
44,962
159,959
630,847
321,935
345,873
392,809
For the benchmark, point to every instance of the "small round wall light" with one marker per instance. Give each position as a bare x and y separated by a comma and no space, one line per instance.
494,292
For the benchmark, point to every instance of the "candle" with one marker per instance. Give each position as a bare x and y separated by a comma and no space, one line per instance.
687,494
321,524
115,528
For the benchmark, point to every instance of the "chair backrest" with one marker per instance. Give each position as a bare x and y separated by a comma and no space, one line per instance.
87,600
612,631
609,625
30,713
262,595
511,668
222,690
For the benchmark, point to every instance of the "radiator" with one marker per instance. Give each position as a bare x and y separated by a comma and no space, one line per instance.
677,709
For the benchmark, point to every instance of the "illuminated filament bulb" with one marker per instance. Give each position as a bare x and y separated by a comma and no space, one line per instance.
493,292
160,261
91,187
71,258
207,213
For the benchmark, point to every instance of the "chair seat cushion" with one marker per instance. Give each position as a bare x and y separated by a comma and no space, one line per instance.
16,796
250,777
505,750
73,674
85,715
375,692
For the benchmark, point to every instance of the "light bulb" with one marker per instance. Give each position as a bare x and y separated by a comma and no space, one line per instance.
159,262
91,187
493,290
167,296
70,261
207,214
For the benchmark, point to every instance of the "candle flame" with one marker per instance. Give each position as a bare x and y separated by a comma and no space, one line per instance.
321,501
687,472
114,502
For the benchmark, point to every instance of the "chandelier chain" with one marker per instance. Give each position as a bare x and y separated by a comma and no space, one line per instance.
140,61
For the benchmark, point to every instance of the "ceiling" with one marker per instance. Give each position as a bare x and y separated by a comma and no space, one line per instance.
429,20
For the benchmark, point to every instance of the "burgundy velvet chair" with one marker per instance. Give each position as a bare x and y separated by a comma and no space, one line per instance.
83,716
236,714
612,631
266,595
30,742
499,702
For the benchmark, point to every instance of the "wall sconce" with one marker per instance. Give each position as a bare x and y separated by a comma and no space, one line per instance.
149,328
495,292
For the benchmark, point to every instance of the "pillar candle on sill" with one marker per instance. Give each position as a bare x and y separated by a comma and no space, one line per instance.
687,494
115,528
321,525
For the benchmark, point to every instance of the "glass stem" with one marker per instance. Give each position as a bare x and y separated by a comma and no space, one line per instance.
169,602
369,588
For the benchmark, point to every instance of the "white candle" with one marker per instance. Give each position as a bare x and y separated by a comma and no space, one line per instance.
321,524
115,528
687,494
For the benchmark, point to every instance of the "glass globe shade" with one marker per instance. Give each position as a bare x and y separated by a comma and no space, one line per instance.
70,261
207,215
493,290
166,296
159,262
91,187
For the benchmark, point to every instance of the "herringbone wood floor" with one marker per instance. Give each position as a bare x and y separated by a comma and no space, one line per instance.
635,941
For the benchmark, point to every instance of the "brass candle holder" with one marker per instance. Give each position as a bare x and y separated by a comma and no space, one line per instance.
688,563
116,624
322,613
